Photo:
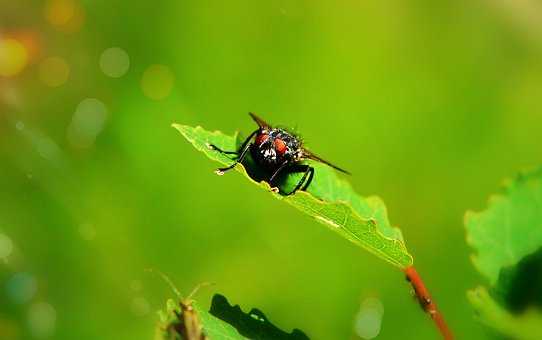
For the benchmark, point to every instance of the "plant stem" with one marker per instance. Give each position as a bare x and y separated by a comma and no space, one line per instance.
428,305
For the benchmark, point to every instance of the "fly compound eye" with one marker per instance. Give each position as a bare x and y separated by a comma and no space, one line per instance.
261,138
280,146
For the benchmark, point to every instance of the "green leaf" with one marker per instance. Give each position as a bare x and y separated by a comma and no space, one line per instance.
254,324
527,326
520,287
213,328
222,322
508,240
510,228
329,199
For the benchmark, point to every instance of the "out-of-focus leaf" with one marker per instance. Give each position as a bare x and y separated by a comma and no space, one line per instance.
329,199
507,238
520,286
510,228
527,326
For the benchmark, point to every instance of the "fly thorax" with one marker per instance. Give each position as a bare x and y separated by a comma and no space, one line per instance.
268,152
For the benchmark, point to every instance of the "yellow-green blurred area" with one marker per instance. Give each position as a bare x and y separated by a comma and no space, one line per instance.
430,104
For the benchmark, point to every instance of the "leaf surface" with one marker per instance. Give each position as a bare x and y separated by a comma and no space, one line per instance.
507,238
510,228
254,324
329,199
527,326
213,328
223,322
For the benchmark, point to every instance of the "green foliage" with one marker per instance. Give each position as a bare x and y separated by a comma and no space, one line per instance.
222,322
254,324
510,228
528,326
508,240
213,328
329,199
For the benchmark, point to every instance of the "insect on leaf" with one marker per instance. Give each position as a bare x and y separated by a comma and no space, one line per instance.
329,199
222,322
170,326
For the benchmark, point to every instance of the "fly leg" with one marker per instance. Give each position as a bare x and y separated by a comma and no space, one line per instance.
242,154
216,148
275,174
305,181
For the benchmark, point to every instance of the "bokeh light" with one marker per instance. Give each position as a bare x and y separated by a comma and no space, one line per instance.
45,146
368,320
21,287
87,122
65,15
54,71
13,57
10,96
6,246
114,62
136,285
59,12
157,82
19,125
140,306
87,231
30,38
42,319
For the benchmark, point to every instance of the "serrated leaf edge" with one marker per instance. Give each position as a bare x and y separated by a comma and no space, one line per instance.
264,185
506,186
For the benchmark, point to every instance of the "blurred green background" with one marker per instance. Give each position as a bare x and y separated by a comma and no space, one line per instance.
429,104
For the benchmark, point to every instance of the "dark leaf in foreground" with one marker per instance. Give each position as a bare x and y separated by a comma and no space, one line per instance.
253,325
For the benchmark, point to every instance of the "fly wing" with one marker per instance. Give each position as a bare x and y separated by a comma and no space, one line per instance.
309,155
261,123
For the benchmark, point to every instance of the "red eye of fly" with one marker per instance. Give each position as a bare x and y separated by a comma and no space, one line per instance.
280,147
261,138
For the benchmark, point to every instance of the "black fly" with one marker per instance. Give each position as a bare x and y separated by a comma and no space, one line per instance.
276,150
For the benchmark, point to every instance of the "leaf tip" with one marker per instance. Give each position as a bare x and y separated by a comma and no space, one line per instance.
178,127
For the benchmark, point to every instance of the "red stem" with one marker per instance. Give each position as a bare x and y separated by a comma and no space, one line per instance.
428,305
